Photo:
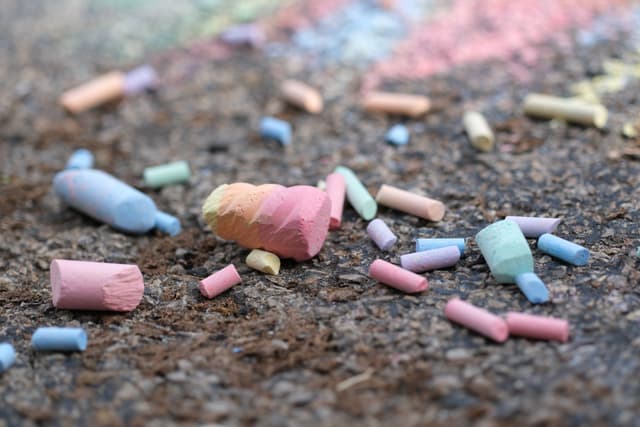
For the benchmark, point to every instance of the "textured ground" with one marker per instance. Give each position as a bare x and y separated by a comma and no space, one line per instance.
320,344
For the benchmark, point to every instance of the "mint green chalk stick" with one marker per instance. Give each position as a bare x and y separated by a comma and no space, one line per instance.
170,173
358,195
506,250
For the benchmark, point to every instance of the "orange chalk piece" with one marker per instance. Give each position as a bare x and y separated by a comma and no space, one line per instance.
477,319
301,95
219,281
540,327
410,203
396,103
336,189
106,88
396,277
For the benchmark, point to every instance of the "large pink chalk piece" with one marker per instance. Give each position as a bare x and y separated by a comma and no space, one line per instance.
219,281
396,277
540,327
84,285
477,319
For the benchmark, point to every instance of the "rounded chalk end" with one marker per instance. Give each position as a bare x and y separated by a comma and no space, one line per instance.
483,143
314,105
167,223
581,257
81,339
436,211
600,116
7,356
135,215
368,209
500,331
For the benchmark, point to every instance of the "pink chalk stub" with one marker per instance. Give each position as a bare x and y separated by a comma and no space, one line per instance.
83,285
534,227
336,189
397,277
219,281
381,234
540,327
477,319
433,259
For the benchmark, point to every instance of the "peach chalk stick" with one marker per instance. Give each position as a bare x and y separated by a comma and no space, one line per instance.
108,87
396,103
396,277
540,327
477,319
83,285
301,95
336,189
410,203
219,281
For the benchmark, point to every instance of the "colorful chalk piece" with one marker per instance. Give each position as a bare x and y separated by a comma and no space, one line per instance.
263,261
219,281
80,159
59,339
336,189
276,129
477,319
167,174
397,135
168,224
539,327
432,259
565,250
381,234
7,356
411,203
435,243
506,250
139,80
532,287
396,277
358,195
535,227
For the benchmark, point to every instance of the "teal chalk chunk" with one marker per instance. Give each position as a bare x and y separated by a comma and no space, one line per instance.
59,339
170,173
7,356
80,159
435,243
565,250
506,250
532,287
358,195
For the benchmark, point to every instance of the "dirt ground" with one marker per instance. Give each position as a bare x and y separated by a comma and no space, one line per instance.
321,344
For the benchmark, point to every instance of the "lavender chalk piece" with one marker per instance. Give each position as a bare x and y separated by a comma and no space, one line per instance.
80,159
7,356
533,226
433,259
244,35
107,199
397,135
532,287
59,339
435,243
381,234
563,249
140,79
279,130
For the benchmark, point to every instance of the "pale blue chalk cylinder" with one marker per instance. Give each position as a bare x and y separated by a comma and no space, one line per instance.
59,339
435,243
80,159
397,135
7,356
532,287
168,223
563,249
506,250
277,129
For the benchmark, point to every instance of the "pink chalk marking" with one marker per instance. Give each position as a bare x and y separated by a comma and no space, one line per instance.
540,327
336,189
397,277
433,259
219,281
83,285
477,319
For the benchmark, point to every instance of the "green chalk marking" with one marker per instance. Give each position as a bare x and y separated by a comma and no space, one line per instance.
506,250
171,173
358,195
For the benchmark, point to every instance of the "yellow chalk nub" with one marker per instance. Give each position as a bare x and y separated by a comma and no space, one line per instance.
263,261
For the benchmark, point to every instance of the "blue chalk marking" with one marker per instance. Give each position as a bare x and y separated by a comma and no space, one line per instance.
168,224
563,249
277,129
532,287
80,159
59,339
436,243
7,356
397,135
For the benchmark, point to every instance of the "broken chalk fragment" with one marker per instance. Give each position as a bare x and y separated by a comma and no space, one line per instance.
432,259
534,227
301,95
381,234
80,159
397,135
532,287
478,130
167,174
565,250
276,129
168,224
7,356
219,281
263,261
397,277
477,319
396,103
435,243
530,326
336,189
357,194
570,110
410,203
59,339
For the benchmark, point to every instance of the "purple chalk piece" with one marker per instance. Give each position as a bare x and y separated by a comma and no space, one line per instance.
381,234
244,35
140,79
433,259
534,227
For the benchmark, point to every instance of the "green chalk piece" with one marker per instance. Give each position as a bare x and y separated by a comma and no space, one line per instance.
506,250
358,195
171,173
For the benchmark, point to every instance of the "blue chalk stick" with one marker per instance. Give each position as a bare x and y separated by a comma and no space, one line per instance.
168,223
80,159
7,356
563,249
59,339
435,243
397,135
532,287
277,129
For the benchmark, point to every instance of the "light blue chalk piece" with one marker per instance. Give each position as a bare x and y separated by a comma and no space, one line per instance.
563,249
277,129
532,287
80,159
397,135
107,199
168,223
506,250
59,339
7,356
435,243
